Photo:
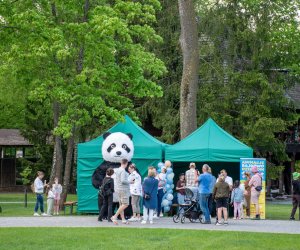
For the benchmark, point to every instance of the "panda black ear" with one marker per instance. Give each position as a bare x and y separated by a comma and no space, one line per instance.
130,136
106,134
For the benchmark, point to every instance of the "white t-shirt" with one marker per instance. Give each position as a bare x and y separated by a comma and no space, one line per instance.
38,186
136,187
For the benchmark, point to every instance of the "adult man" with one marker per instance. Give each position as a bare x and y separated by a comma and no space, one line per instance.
205,181
190,177
123,189
228,179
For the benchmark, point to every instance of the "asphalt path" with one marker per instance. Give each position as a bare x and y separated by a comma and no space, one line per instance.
264,226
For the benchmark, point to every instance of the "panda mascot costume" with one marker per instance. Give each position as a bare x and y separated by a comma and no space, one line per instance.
115,147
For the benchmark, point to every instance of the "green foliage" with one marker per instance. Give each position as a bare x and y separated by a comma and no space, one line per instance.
273,172
26,173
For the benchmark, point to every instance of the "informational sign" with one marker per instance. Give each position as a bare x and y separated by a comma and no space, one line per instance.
245,166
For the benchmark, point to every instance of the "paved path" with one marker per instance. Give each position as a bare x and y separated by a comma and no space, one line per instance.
267,226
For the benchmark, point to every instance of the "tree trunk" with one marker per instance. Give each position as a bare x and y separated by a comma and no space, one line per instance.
189,82
281,183
57,164
68,167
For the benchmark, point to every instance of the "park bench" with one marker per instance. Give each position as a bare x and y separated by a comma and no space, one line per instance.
69,204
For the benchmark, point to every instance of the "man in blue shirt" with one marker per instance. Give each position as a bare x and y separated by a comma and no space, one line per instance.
205,181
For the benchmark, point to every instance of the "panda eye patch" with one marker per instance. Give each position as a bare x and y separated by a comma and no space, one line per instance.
113,145
124,146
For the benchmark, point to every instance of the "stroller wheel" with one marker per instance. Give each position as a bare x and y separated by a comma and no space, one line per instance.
182,219
176,218
201,218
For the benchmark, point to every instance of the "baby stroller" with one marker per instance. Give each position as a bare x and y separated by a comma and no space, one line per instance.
189,210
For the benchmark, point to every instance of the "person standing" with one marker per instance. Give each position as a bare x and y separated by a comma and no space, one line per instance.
180,188
39,191
296,195
122,186
190,176
107,190
150,188
221,195
205,179
57,190
135,181
50,200
247,194
227,179
256,186
237,196
161,177
211,188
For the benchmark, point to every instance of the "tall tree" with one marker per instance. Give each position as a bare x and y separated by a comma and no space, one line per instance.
88,60
189,82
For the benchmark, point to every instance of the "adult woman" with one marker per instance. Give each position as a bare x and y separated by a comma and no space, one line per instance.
135,192
247,194
256,185
150,186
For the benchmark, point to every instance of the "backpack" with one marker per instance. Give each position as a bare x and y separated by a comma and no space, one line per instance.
105,188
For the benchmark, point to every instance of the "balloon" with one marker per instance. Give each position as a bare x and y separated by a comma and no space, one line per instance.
168,186
166,209
161,164
170,176
165,203
172,186
169,197
169,170
170,182
169,191
170,203
158,170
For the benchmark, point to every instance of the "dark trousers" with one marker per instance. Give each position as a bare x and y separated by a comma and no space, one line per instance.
210,204
39,202
100,204
107,207
296,203
160,195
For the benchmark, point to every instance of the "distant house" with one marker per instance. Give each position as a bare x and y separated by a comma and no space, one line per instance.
12,146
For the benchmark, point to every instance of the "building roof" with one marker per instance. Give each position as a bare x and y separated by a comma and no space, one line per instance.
12,137
294,95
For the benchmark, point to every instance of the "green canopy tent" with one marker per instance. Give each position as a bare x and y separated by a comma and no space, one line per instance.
148,151
211,144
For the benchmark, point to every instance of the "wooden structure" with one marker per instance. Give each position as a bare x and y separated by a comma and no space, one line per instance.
12,146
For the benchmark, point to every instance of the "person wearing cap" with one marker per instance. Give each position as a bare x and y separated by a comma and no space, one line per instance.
190,176
296,195
255,183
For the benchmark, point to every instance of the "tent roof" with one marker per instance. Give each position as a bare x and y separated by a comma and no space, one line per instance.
208,143
146,146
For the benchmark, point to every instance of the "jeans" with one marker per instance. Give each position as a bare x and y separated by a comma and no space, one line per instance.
210,203
160,195
203,202
39,202
148,214
107,207
180,198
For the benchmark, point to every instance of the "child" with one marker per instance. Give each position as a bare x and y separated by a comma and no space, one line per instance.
237,196
39,191
50,200
57,190
221,195
107,190
180,188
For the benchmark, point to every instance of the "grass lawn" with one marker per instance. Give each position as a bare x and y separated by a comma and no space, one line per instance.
130,238
273,211
18,209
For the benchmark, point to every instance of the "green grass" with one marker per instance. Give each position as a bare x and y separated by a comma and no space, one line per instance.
130,238
273,211
18,209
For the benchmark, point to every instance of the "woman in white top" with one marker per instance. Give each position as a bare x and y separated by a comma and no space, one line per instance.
135,181
57,190
39,191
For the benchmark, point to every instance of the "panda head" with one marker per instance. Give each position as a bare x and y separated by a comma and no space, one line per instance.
117,146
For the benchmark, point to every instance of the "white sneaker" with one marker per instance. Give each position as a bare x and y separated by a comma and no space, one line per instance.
132,219
143,222
155,217
219,224
161,215
44,214
36,214
151,221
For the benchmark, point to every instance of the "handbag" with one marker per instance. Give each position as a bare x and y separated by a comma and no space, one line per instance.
259,188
